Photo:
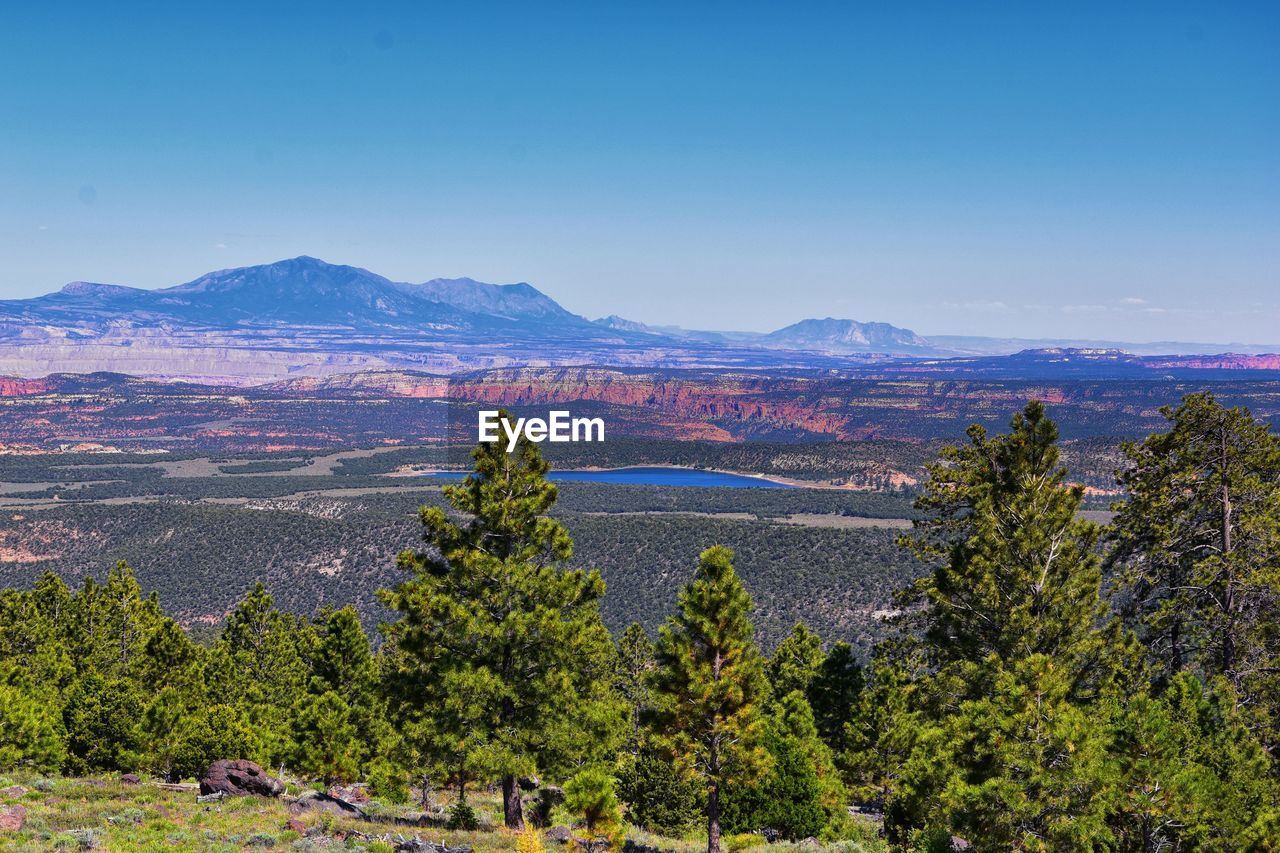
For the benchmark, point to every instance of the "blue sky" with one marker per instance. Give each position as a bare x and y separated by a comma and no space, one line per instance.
1108,171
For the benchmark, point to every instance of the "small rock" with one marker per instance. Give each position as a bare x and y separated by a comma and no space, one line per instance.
958,843
87,838
295,825
317,801
559,834
417,845
12,818
13,792
592,845
351,793
426,819
630,846
130,779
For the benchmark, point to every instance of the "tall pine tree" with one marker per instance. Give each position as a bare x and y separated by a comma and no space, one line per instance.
1197,545
709,682
1018,647
492,610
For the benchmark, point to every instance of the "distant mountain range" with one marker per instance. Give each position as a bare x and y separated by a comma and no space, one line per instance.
301,291
306,317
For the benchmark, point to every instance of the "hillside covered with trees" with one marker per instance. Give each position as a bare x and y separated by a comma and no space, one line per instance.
1014,700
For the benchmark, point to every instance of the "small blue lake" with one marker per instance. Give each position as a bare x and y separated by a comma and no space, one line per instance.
643,476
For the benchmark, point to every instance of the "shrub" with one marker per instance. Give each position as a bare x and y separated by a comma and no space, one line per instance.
657,796
788,800
591,796
529,841
387,782
462,816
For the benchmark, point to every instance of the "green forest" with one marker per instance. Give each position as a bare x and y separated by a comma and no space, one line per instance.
1041,682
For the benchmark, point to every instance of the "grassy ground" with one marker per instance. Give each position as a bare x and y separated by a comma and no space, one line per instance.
93,814
99,814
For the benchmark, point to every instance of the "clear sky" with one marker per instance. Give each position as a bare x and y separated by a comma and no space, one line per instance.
1030,169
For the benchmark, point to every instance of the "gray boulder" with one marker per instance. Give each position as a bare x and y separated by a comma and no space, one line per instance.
317,801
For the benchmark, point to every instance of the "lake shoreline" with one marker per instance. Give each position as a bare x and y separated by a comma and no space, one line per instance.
714,478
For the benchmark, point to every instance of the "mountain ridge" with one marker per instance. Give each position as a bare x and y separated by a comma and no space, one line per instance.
305,317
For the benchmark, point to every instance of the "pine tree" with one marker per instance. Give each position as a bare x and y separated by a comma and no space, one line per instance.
709,682
801,792
31,730
1030,766
99,717
491,611
795,662
658,795
833,693
343,659
266,647
170,659
326,745
111,623
1015,569
35,631
218,731
794,718
635,661
160,730
1197,543
343,662
591,795
787,800
259,665
1017,647
1192,774
885,726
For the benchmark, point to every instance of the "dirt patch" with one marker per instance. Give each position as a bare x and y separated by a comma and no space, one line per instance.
847,522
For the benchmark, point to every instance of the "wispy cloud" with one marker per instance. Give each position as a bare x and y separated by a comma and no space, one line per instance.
980,305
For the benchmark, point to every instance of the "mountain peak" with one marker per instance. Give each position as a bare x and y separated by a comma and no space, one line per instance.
93,288
513,301
302,290
622,324
831,334
301,270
